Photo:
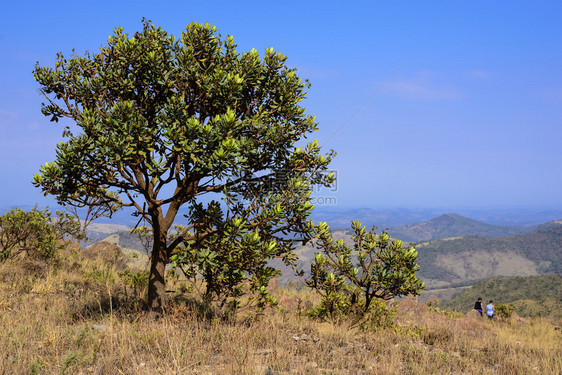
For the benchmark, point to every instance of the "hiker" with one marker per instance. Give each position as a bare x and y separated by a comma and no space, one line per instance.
490,309
478,305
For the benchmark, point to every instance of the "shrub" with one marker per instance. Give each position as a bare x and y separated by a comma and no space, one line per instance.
350,279
35,232
504,311
137,280
379,317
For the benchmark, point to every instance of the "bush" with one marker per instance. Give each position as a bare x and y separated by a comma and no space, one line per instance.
137,280
349,279
34,233
380,316
504,311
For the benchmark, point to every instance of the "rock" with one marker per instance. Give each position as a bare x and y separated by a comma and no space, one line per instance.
218,358
290,303
305,337
517,318
311,365
268,371
108,252
410,305
100,327
273,286
473,314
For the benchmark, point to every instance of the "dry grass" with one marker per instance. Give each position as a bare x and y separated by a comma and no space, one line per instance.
59,320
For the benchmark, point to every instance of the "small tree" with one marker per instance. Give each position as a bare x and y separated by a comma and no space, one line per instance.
35,232
165,121
350,278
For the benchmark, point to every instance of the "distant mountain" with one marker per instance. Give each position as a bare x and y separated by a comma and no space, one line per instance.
550,224
469,259
98,231
131,241
531,296
341,218
124,239
451,225
461,260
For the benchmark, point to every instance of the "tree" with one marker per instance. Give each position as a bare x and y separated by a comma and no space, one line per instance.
163,122
350,279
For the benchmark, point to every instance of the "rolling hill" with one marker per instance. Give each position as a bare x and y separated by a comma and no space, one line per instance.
470,259
98,231
451,225
449,264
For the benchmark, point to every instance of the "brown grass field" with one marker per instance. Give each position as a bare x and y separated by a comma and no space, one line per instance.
83,317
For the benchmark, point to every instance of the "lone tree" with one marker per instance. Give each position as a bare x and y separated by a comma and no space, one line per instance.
164,122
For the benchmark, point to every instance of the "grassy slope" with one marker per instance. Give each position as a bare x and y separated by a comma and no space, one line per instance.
531,296
57,320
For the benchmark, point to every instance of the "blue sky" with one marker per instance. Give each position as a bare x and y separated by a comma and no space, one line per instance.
470,115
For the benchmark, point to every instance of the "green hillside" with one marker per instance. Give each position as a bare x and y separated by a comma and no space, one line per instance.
474,258
463,261
451,225
531,296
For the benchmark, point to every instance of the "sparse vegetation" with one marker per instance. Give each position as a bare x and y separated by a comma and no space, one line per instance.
162,123
75,318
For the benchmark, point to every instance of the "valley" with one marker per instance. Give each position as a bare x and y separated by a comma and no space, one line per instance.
455,252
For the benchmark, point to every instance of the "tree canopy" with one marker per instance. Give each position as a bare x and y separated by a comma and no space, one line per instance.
162,121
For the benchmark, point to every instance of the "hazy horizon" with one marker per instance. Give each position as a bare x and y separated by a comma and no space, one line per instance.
382,217
427,104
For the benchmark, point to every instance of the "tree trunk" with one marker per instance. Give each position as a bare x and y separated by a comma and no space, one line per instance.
156,281
159,257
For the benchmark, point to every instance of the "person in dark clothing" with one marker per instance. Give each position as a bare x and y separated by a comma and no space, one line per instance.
478,306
